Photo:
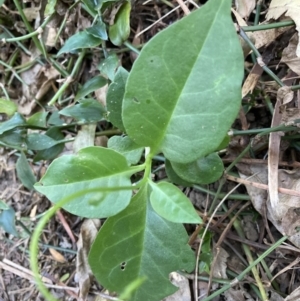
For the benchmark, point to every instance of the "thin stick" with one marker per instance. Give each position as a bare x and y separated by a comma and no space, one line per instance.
263,186
150,26
183,7
204,233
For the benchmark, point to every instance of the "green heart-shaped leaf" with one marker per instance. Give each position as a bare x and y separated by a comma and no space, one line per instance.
184,89
91,167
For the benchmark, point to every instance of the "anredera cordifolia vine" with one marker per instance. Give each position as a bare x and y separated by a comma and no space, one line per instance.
180,99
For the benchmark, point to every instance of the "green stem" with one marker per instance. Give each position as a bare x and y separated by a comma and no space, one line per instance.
268,26
131,47
68,80
240,197
269,274
27,25
238,228
257,13
42,223
247,270
259,58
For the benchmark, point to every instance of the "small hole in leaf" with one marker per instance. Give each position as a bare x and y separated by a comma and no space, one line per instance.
122,265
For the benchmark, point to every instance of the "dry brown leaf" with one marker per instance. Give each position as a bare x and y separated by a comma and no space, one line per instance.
289,55
84,275
265,37
57,256
184,292
237,295
101,95
290,8
285,216
85,137
283,95
252,79
31,13
220,264
245,7
294,296
241,22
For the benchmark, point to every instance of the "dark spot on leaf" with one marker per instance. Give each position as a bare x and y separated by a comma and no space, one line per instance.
151,61
122,265
136,100
148,101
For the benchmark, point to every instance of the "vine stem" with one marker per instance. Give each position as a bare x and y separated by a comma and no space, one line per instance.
43,222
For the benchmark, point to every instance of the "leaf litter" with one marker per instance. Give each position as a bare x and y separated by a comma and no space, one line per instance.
279,212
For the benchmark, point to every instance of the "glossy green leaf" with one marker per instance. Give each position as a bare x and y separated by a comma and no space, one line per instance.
139,243
36,141
172,204
109,66
38,119
120,30
24,172
79,40
16,121
88,110
173,176
98,30
54,151
125,146
202,171
90,86
184,90
7,107
91,167
114,98
7,221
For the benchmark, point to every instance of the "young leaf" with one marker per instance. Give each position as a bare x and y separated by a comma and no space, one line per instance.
7,221
91,167
98,30
16,121
202,171
172,204
25,173
109,66
79,40
120,30
90,86
114,98
54,151
7,107
139,243
184,89
125,146
38,119
89,110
